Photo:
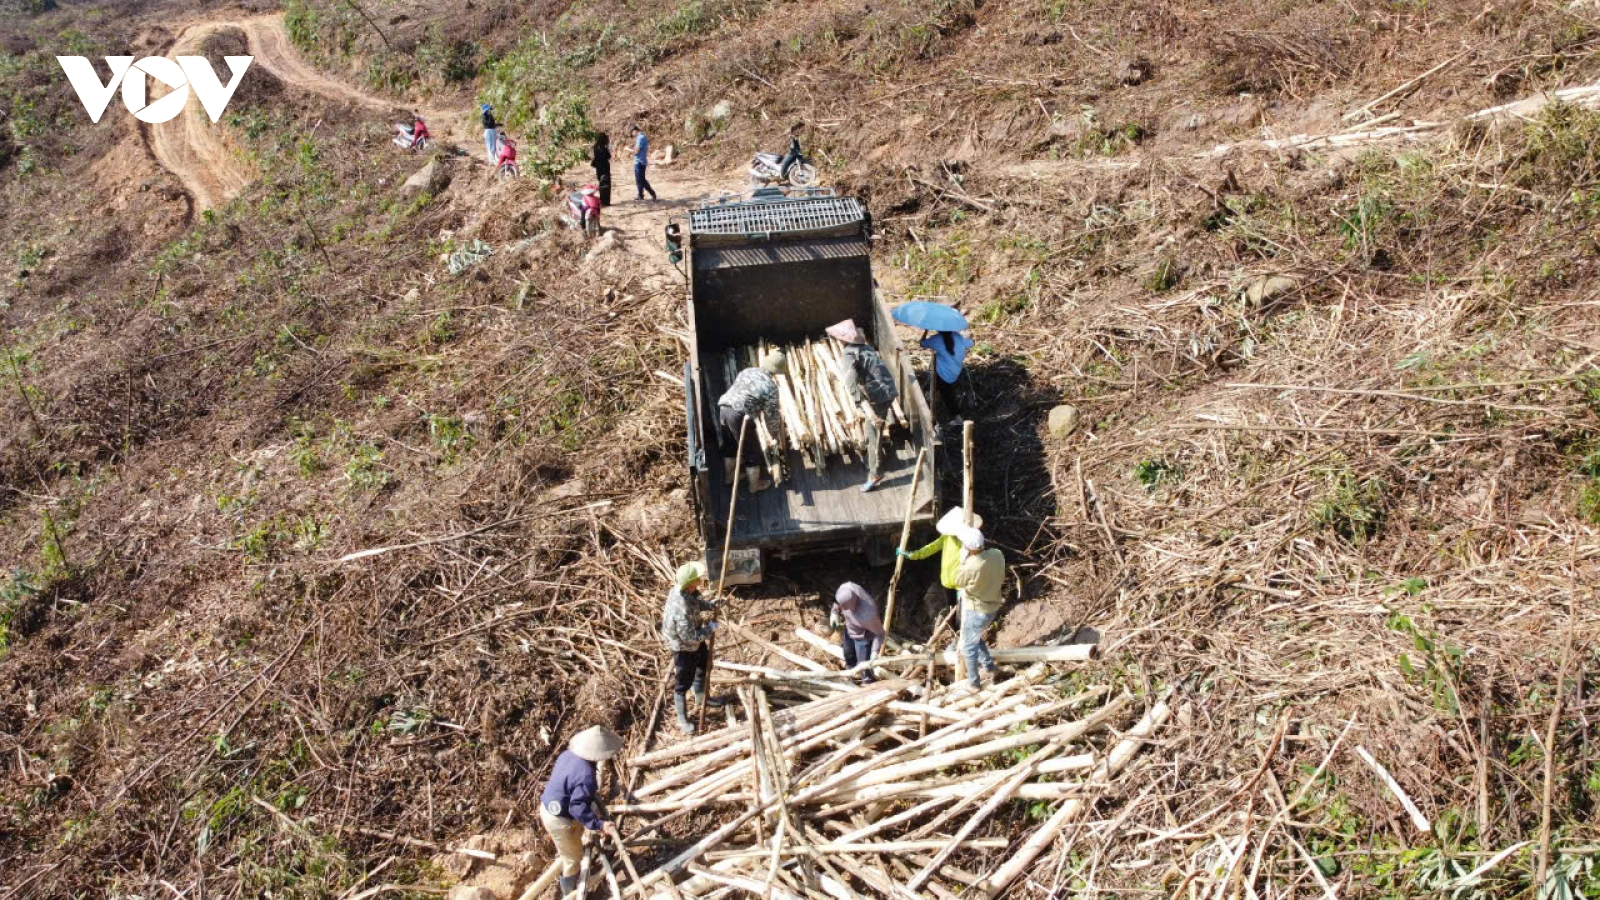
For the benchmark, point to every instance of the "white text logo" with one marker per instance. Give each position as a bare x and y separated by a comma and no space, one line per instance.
179,77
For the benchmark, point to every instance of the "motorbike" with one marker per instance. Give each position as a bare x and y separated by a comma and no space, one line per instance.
767,168
506,166
414,138
583,210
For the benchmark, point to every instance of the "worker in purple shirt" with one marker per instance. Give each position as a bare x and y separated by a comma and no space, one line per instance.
567,807
641,162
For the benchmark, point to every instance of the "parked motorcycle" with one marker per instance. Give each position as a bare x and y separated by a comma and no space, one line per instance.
414,137
506,166
768,168
583,210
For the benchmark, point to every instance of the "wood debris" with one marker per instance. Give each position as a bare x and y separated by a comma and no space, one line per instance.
820,787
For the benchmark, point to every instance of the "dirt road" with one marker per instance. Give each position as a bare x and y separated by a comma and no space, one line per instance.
198,154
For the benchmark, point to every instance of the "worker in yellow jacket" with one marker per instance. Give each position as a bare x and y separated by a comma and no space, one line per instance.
948,545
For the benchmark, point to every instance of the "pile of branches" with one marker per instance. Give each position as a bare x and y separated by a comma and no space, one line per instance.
820,787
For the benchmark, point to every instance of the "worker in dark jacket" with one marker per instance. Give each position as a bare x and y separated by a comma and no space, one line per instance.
602,167
567,807
491,133
868,380
686,630
754,395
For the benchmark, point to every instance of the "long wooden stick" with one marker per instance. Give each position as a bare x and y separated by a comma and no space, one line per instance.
905,537
722,573
996,882
966,509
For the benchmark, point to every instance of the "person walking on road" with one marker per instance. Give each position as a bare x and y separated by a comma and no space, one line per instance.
686,634
979,578
854,611
602,167
754,395
567,806
868,380
641,162
491,133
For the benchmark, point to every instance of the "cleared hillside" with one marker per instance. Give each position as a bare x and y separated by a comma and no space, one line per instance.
1335,476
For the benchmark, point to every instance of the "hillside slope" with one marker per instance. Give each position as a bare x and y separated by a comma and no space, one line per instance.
1335,474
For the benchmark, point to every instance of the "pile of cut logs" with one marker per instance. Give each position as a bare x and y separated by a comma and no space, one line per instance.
822,788
821,418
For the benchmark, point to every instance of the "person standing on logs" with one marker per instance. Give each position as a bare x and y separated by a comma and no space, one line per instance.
567,806
754,394
854,610
981,575
602,167
868,380
686,636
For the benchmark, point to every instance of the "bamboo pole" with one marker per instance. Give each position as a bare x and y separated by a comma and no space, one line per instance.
966,508
722,571
543,882
996,883
905,537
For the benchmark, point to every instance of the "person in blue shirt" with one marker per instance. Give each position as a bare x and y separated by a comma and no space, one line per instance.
567,806
641,162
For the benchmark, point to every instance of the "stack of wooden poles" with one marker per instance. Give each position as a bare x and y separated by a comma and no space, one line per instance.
821,418
820,787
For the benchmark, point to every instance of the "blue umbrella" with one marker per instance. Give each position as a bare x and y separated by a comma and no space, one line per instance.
930,316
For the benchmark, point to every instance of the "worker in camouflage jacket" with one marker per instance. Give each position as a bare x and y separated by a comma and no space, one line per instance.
868,380
753,394
686,632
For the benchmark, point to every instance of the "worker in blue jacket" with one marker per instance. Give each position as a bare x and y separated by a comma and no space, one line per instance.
567,807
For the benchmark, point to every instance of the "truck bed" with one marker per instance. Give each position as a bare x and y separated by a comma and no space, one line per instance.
822,504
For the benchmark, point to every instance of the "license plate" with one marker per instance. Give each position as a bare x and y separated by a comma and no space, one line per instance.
744,566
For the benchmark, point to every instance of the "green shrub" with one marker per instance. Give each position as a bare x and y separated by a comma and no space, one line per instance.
1352,508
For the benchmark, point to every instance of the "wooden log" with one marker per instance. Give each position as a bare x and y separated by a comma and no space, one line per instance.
1020,773
905,538
967,512
1064,733
819,642
1009,655
795,744
1045,835
543,882
915,813
790,655
858,849
745,884
701,744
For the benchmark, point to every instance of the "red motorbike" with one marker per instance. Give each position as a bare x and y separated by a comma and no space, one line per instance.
583,209
506,164
413,137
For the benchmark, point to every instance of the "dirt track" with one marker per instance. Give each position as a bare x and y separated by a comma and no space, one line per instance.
194,150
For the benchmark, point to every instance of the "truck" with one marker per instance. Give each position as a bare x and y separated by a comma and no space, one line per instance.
780,267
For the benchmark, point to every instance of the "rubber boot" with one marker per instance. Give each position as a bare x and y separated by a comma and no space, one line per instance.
679,704
569,885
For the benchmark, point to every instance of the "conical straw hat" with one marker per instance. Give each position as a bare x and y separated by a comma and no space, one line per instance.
596,744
